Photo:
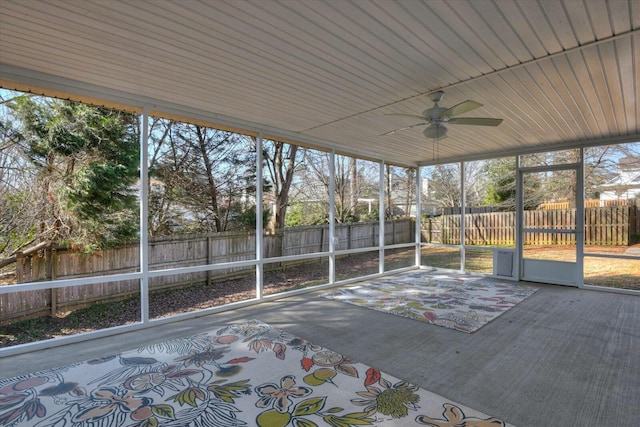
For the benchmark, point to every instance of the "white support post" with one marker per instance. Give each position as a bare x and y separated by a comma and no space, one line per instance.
381,219
519,237
580,221
462,217
259,220
144,216
332,219
418,217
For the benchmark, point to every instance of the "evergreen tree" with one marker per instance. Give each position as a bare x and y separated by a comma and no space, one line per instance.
86,165
501,178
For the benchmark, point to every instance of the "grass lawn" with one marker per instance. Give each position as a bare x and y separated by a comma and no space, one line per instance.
608,272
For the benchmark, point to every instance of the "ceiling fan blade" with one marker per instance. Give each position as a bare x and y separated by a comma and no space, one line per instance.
478,121
404,128
415,116
461,108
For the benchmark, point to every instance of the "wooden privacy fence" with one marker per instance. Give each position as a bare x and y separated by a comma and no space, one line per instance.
174,252
613,225
608,226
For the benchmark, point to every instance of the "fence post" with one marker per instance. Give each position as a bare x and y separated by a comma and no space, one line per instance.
209,258
425,229
373,233
430,230
393,231
48,274
278,248
54,262
19,267
53,274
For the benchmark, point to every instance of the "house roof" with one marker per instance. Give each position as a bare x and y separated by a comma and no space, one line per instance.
629,163
628,176
327,73
620,181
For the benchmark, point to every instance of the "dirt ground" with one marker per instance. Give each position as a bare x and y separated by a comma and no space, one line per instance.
171,302
598,271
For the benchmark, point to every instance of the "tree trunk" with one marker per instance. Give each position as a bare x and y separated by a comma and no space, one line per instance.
211,184
353,186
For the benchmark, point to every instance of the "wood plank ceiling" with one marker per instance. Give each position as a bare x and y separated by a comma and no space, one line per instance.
561,73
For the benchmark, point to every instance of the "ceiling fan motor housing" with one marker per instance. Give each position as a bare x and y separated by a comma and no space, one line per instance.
434,114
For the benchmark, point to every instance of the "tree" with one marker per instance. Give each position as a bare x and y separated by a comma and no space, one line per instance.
202,179
600,166
353,180
281,160
501,183
315,185
399,191
444,185
347,189
164,213
16,177
78,166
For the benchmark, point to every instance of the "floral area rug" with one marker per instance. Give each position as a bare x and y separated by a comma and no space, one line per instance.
247,374
458,302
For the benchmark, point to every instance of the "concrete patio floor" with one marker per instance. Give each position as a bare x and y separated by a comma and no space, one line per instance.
563,357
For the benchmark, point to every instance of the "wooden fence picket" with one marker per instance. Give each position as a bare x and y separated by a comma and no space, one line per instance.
174,252
605,226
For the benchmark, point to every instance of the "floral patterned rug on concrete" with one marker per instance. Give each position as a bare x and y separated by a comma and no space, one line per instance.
454,301
245,374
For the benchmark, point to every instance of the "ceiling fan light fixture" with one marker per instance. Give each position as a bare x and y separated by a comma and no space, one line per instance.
435,131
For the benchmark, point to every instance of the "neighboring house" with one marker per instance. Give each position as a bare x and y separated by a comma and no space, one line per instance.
625,185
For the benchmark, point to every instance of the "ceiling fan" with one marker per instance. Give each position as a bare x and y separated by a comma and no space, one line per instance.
436,117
